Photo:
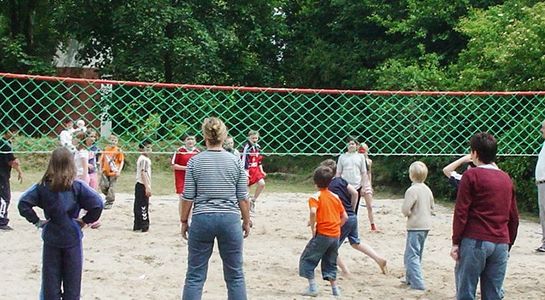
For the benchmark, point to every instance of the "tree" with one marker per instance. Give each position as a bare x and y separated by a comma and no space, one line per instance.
505,49
214,41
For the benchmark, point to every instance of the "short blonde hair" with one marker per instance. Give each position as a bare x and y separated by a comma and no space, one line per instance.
214,131
418,172
253,132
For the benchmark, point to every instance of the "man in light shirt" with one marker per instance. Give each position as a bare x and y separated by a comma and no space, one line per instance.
540,182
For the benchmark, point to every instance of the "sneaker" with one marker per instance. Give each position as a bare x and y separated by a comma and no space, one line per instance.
541,249
336,291
311,291
6,228
108,205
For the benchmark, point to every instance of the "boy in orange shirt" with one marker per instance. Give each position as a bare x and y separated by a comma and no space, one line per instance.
327,215
112,161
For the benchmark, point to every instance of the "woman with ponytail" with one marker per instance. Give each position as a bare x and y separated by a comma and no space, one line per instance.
216,189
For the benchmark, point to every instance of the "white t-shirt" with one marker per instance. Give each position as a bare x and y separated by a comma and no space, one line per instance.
143,164
78,156
351,166
540,166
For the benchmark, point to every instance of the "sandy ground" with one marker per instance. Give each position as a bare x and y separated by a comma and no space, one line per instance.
121,264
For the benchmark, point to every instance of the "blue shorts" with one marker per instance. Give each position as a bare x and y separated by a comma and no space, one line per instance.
350,230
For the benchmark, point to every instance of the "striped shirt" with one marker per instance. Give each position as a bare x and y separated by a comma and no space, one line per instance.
215,181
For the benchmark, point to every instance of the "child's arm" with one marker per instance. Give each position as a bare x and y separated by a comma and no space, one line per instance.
456,164
145,178
354,196
121,164
344,217
312,220
15,164
28,200
408,203
85,166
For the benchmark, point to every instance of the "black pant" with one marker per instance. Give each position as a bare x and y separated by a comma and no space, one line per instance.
141,205
5,197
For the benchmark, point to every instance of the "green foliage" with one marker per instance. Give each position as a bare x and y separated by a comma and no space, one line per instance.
505,49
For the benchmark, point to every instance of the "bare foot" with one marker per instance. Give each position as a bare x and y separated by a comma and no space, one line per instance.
346,274
383,267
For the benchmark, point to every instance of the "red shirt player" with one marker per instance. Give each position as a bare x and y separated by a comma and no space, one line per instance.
251,159
180,159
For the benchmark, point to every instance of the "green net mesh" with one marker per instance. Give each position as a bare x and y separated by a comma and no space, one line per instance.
290,121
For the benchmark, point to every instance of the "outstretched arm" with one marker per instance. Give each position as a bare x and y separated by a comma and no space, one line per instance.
456,164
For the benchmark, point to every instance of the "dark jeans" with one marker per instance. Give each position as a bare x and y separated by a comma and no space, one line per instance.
204,230
320,248
141,207
61,266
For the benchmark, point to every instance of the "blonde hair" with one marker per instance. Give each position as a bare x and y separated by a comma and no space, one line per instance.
418,172
214,131
253,132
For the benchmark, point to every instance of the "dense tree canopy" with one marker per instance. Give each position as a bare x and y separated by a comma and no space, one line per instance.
369,44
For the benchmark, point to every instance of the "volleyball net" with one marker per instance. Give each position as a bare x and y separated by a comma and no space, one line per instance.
291,122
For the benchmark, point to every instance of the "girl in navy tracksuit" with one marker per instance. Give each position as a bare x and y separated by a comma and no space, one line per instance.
61,197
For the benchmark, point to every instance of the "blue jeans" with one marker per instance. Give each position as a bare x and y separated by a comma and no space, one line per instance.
61,266
204,229
484,260
322,248
413,258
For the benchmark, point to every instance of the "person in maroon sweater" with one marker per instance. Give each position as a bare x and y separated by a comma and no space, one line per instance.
485,223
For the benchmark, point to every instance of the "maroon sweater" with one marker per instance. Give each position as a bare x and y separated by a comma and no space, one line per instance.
486,207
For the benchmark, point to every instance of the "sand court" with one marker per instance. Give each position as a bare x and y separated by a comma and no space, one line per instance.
122,264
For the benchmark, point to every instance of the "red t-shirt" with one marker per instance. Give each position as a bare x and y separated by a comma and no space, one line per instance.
181,157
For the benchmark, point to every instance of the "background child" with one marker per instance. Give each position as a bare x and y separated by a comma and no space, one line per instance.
252,161
349,197
61,198
65,137
417,207
94,153
180,159
327,215
142,189
111,162
81,157
7,162
229,146
367,188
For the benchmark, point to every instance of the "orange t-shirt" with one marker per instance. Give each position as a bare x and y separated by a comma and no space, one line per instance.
328,213
111,159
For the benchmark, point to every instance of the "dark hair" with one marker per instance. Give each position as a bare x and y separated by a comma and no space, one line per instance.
143,144
187,134
67,120
352,138
61,170
330,164
485,145
322,176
